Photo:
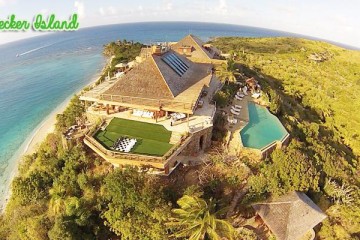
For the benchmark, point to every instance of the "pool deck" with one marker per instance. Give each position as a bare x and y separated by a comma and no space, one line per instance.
235,144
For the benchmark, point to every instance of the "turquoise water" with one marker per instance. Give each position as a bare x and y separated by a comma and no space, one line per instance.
263,128
52,67
31,87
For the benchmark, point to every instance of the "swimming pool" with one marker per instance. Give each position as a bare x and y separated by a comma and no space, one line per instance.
263,128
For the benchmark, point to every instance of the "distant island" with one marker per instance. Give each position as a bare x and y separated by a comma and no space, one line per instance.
236,138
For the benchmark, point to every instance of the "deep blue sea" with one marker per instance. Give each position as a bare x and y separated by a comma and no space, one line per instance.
53,67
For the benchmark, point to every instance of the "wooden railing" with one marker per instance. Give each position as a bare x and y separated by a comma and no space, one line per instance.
201,125
197,127
164,103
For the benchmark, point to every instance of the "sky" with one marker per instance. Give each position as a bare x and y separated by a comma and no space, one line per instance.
335,20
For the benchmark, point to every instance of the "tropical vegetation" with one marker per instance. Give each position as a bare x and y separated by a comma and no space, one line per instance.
65,191
227,71
197,220
317,101
120,51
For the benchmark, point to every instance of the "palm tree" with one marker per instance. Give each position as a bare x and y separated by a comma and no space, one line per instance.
196,220
227,71
57,194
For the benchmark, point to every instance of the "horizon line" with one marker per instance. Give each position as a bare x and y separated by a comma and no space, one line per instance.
295,35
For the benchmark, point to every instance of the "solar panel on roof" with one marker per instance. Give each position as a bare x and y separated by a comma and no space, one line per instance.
173,65
170,64
178,65
176,58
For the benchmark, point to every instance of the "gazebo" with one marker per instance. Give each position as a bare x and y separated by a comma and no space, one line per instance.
252,84
121,67
290,216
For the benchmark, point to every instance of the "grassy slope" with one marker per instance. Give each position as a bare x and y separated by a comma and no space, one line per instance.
153,139
331,88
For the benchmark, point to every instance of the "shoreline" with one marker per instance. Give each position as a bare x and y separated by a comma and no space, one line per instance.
31,144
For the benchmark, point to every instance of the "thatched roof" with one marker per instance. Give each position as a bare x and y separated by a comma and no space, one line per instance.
199,51
251,81
154,79
143,81
178,84
121,65
145,52
290,216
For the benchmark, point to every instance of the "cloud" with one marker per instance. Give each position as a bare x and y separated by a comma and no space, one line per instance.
223,5
44,11
102,11
112,10
217,9
168,5
3,3
80,8
164,7
108,11
285,9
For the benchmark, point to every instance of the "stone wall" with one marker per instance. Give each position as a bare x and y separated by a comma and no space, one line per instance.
194,148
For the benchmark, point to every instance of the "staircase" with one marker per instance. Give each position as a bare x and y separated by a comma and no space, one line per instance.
175,137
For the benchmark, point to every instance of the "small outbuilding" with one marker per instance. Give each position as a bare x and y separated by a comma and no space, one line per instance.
291,216
121,67
252,84
193,47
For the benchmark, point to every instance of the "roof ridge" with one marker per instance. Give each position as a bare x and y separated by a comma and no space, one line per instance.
273,203
298,214
201,47
288,218
162,76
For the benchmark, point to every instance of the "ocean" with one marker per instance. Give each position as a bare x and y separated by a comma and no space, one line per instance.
38,74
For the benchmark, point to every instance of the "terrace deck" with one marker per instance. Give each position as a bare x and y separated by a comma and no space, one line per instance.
153,139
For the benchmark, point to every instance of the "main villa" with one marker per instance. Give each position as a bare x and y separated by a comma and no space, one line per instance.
160,112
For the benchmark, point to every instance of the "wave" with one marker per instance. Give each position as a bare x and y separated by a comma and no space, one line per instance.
34,50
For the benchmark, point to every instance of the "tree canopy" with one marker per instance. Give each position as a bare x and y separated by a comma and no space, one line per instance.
134,208
227,72
196,219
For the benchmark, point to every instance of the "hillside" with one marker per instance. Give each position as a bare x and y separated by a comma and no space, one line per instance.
68,192
313,87
331,87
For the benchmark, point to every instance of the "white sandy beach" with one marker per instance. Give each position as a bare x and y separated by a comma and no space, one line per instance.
39,135
33,143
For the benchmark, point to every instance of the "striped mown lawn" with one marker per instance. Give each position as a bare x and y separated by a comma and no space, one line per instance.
153,139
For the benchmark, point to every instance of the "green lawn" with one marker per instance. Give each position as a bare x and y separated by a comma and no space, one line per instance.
152,139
